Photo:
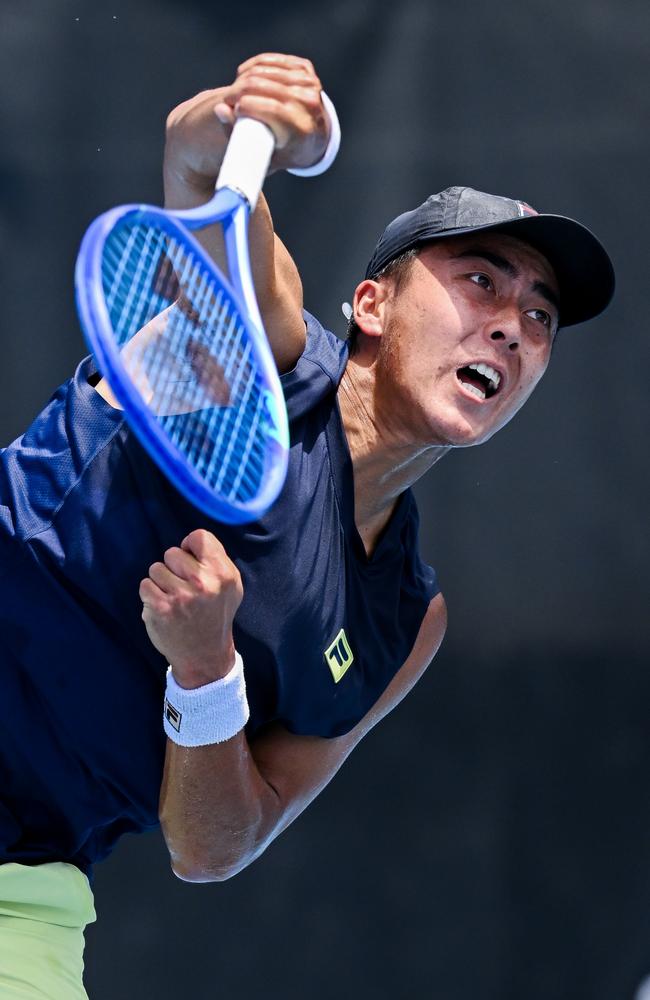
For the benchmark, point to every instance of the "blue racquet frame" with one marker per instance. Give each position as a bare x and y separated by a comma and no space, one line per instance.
232,209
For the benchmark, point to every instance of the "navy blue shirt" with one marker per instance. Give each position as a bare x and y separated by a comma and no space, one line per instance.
322,628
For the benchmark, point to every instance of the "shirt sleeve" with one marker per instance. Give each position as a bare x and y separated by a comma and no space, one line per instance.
40,469
81,496
317,372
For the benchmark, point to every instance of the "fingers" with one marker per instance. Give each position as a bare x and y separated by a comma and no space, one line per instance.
203,545
278,61
151,595
264,86
289,80
216,572
289,76
285,121
284,77
257,76
252,95
186,564
167,580
180,573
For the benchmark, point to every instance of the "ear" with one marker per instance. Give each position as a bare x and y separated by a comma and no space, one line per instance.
368,306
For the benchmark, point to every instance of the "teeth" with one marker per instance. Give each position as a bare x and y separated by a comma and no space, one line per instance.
489,373
475,389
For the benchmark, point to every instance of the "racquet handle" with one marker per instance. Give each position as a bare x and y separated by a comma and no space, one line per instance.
247,159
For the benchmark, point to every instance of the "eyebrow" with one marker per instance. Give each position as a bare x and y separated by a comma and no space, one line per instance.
507,267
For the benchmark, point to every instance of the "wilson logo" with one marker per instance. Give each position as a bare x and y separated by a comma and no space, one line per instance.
338,656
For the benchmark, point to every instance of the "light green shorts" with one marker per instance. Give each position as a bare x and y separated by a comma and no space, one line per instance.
43,912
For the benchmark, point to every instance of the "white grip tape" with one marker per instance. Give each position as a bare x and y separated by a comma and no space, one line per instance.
212,713
247,159
329,155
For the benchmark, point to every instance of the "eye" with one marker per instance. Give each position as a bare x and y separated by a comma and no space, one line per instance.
541,316
483,280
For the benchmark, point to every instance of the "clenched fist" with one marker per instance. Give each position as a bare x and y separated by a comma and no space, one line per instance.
189,603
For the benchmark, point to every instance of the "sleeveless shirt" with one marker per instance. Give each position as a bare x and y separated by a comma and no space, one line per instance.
322,628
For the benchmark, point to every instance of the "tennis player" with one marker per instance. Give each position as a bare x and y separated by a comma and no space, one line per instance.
288,639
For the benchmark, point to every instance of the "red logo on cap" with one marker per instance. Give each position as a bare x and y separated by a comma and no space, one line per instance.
525,209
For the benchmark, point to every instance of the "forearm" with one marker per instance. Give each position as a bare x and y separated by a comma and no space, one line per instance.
188,189
189,181
216,810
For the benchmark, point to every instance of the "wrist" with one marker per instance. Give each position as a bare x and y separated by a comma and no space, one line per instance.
190,674
211,713
183,185
332,147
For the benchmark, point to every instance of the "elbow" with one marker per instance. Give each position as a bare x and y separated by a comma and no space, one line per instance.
199,874
214,848
201,870
214,860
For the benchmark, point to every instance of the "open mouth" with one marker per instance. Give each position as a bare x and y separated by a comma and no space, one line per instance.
480,379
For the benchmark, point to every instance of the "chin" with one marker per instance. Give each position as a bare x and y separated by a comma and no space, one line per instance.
458,432
470,440
464,426
476,439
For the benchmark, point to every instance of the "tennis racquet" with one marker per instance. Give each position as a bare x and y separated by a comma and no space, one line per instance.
183,347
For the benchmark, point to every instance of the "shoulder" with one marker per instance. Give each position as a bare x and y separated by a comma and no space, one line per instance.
318,370
432,630
322,348
427,643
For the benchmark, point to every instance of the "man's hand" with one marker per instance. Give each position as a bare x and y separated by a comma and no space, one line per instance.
284,92
280,90
189,603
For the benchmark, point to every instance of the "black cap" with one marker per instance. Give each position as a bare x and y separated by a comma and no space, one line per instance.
583,269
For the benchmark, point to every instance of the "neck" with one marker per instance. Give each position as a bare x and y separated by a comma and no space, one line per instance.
385,461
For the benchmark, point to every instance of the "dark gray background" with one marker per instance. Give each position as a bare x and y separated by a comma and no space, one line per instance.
490,838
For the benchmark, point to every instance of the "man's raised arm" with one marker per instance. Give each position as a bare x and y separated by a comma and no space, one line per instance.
285,93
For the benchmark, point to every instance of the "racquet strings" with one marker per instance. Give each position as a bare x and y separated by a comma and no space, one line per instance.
187,351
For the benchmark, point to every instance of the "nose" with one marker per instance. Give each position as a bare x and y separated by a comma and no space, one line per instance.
511,338
503,325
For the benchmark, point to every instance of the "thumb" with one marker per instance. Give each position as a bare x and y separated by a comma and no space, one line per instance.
224,113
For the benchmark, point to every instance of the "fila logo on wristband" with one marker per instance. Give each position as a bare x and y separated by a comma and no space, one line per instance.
173,716
211,713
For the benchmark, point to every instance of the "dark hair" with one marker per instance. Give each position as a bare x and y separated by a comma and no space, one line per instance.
398,269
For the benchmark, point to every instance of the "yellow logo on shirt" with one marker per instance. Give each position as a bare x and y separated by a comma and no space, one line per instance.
339,656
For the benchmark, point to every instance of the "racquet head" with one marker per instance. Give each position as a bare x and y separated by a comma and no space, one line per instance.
184,354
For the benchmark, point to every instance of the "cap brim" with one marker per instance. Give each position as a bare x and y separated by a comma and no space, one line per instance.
584,272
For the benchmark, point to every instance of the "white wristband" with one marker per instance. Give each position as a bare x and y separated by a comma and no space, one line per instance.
329,155
212,713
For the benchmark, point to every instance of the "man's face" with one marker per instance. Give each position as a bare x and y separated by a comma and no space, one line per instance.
466,337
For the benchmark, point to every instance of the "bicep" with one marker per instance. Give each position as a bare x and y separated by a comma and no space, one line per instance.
299,767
